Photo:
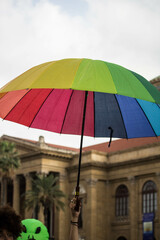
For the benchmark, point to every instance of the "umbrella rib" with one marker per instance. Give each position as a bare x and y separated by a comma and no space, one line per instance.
40,108
66,111
146,117
121,116
16,104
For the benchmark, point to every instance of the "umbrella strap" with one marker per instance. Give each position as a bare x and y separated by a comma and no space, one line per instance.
111,134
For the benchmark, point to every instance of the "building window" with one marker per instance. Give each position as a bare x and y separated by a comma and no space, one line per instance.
149,195
122,201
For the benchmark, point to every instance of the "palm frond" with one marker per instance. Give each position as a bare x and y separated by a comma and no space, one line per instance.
44,191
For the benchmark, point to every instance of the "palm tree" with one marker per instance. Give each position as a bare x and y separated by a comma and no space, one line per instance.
45,192
9,161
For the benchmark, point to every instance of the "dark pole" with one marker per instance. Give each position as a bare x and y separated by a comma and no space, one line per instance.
80,152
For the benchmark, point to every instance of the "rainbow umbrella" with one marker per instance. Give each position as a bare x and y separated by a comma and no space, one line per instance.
83,97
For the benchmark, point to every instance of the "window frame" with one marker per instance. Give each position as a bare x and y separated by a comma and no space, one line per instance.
121,201
149,197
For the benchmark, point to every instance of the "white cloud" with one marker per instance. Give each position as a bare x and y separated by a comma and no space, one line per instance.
125,32
129,32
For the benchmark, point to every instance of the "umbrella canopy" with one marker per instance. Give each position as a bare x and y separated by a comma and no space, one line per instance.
83,97
51,96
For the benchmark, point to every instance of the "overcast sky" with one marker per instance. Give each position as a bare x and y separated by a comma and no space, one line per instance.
126,32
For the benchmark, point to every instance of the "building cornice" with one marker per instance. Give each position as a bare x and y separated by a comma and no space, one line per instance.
137,161
37,146
109,166
27,156
97,165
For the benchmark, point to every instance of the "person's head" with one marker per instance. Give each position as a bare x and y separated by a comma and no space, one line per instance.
10,224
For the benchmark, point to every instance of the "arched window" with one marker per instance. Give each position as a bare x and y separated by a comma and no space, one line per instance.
121,238
122,201
149,195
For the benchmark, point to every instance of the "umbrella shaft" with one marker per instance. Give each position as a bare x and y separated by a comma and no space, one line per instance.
80,153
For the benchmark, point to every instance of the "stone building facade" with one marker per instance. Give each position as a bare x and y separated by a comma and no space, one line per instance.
119,185
112,185
156,82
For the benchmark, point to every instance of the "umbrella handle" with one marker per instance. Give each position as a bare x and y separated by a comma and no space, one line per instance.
78,202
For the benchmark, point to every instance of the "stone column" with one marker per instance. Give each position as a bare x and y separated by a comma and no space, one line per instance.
3,191
41,214
16,194
28,212
61,225
41,210
91,213
133,209
109,203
